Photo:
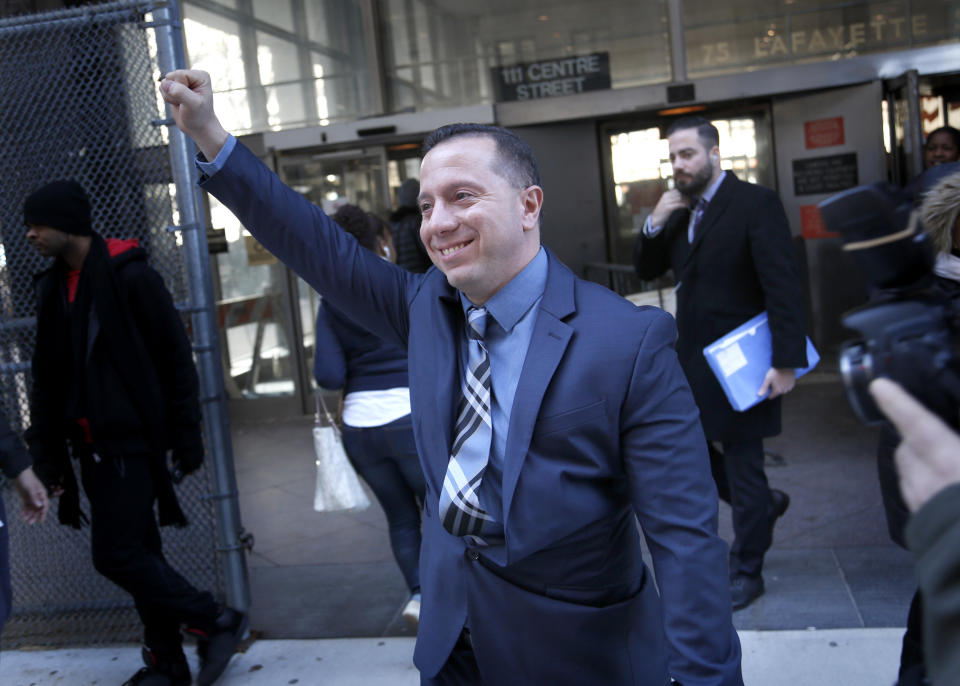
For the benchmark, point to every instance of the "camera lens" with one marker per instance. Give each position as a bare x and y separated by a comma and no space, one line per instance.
856,368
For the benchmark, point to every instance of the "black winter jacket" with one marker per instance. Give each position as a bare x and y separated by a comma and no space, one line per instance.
138,386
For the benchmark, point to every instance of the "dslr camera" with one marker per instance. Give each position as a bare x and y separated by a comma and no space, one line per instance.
910,328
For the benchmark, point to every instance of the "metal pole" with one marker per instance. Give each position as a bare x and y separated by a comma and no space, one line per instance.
678,45
206,343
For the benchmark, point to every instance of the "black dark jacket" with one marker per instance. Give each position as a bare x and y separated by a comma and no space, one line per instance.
350,357
741,262
138,387
411,255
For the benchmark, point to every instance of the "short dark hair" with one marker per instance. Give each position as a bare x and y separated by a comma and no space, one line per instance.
952,132
366,227
706,132
519,164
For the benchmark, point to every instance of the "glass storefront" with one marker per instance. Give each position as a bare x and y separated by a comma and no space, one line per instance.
255,330
281,64
441,53
751,34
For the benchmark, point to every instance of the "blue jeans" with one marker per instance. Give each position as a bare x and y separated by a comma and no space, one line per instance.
386,458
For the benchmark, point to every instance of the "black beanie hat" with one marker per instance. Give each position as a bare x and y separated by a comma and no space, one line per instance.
61,205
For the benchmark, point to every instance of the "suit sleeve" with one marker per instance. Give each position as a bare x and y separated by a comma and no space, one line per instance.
329,361
934,537
651,256
774,260
673,493
165,337
373,292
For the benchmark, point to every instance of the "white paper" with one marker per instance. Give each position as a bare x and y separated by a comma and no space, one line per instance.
731,360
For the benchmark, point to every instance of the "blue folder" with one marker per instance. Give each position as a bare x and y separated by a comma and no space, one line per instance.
740,361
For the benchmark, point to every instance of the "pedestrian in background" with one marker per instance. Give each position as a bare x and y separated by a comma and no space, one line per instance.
377,432
939,213
15,464
728,243
411,255
114,381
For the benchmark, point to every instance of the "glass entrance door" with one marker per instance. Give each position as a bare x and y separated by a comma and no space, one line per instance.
638,170
330,180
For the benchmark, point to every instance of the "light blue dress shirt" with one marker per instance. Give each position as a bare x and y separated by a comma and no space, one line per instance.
211,167
512,315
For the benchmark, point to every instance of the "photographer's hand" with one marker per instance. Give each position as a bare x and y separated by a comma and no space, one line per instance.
778,382
928,457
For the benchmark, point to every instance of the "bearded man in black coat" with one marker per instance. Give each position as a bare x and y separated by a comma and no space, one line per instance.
728,243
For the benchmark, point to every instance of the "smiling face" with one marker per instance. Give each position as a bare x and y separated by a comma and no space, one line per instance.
46,240
479,229
940,148
693,167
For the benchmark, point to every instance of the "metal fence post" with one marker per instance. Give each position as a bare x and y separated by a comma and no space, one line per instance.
203,318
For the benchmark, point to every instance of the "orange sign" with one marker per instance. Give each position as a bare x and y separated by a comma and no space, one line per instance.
811,223
822,133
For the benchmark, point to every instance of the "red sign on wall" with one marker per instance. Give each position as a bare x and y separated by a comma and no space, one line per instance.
811,223
822,133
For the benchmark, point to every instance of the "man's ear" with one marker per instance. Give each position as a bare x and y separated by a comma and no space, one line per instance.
531,199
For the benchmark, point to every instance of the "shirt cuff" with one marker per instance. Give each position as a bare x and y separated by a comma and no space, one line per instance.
649,230
210,168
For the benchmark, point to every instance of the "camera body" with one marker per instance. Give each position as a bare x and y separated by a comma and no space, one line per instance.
911,328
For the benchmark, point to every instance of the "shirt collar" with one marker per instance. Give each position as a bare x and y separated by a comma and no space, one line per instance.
508,305
712,190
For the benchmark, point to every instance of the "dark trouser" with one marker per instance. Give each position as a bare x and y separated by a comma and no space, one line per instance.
6,594
126,546
460,669
912,668
386,457
741,481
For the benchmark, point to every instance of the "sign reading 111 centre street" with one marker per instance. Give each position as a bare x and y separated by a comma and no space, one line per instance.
550,78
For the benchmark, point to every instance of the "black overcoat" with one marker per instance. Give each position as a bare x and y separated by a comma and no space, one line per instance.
740,263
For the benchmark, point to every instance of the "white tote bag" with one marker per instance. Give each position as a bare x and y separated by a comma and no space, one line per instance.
338,486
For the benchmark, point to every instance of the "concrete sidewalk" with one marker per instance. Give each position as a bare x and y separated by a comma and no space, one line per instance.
839,657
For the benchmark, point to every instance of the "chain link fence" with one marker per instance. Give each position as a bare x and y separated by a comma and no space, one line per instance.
78,100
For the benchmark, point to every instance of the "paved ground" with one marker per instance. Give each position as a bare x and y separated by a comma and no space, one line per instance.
839,657
832,565
837,588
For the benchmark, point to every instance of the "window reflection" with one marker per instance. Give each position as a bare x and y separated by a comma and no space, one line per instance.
271,71
440,54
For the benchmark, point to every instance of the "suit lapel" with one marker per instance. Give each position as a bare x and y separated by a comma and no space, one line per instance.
711,217
432,357
547,345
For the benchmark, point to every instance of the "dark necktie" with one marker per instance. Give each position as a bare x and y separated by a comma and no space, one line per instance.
460,509
698,211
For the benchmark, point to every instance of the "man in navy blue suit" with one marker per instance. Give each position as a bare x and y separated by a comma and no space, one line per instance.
549,415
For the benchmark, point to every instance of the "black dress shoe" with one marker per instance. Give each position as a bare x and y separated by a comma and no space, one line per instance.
745,589
781,501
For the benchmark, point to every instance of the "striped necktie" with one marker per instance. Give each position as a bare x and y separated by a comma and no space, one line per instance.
460,508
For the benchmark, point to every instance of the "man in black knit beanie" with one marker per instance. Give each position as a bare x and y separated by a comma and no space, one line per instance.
113,379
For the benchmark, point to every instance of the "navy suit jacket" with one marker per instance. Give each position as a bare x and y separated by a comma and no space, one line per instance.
603,427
